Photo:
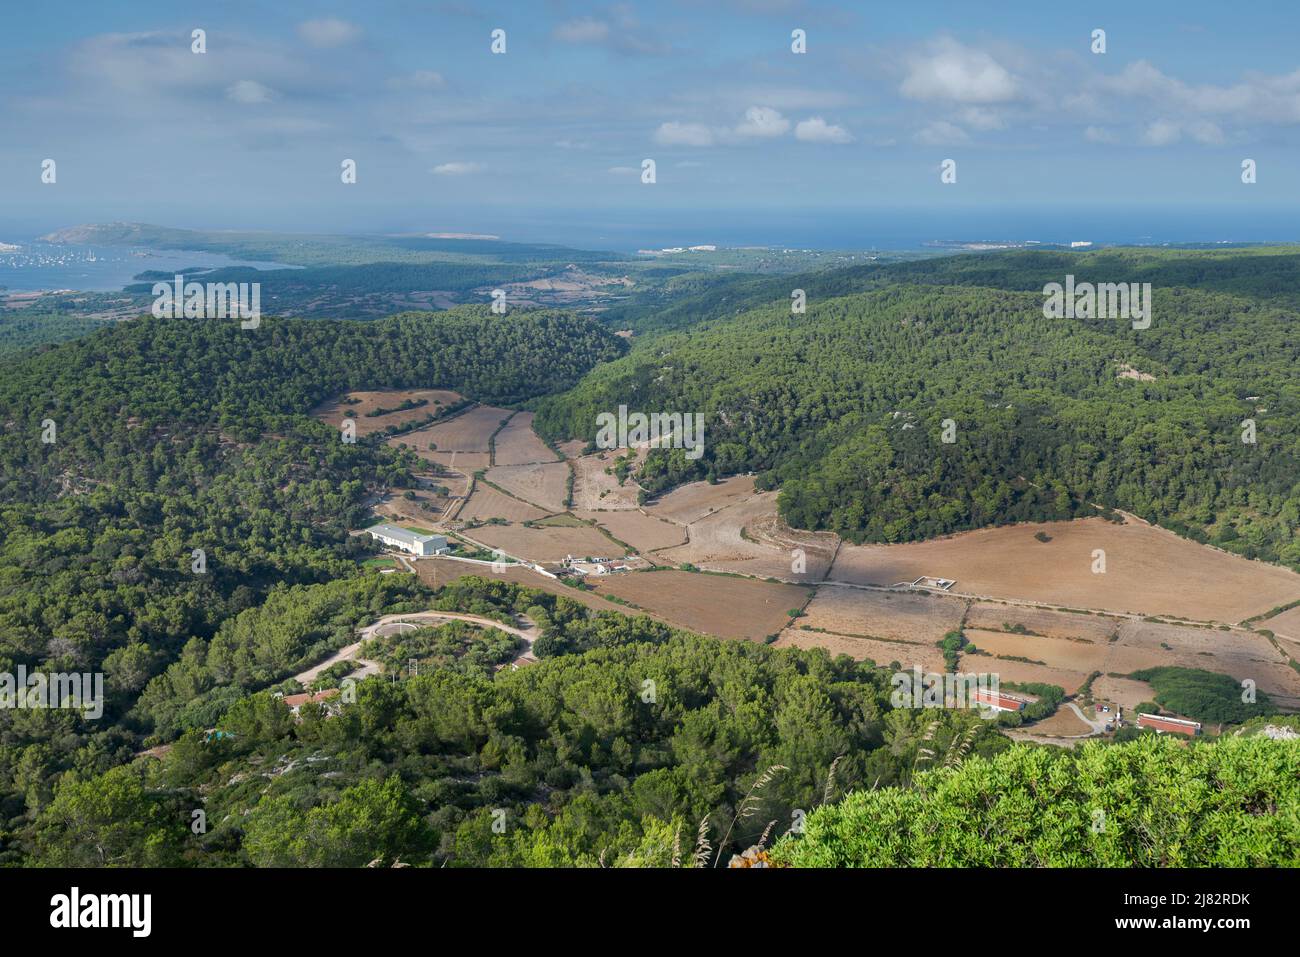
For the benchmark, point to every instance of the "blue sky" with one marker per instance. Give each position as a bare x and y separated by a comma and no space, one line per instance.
449,137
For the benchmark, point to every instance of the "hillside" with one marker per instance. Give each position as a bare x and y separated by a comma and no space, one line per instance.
162,476
843,407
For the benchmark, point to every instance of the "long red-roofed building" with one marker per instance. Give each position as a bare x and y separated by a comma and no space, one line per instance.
1000,700
1164,722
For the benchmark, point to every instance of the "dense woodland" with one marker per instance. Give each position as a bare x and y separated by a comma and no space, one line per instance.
843,407
171,436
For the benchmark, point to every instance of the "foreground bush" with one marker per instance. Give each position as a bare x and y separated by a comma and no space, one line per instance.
1154,802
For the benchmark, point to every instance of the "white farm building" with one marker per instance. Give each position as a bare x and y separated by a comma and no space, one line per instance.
409,541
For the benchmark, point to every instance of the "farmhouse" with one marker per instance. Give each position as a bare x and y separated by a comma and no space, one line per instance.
1162,723
294,702
999,700
409,541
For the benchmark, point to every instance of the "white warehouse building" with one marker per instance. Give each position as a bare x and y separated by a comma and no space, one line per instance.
409,541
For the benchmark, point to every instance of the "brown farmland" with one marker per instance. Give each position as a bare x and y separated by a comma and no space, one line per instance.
549,544
688,503
1042,621
903,616
883,653
709,604
487,502
594,489
543,484
1149,571
517,444
643,532
747,537
1286,624
466,432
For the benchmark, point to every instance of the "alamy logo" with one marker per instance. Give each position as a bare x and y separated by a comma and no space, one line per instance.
1106,300
38,690
209,300
134,911
658,430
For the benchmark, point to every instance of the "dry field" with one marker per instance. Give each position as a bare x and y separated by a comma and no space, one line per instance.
1142,645
488,503
1064,723
1022,671
1239,654
1286,624
709,604
1042,621
593,489
455,483
550,544
1124,692
883,653
425,509
643,532
689,503
749,538
913,617
1192,643
333,411
1083,656
542,484
467,432
1149,571
465,463
517,444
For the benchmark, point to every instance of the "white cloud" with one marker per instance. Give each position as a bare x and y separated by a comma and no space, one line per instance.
1205,132
328,32
1099,134
1162,133
683,134
621,32
762,121
455,169
583,30
962,74
817,130
981,118
941,133
249,91
1261,97
419,80
1167,132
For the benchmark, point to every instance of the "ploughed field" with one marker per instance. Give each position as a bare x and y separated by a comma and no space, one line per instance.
1149,571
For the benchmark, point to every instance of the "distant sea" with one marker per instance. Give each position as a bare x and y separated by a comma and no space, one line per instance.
47,266
883,228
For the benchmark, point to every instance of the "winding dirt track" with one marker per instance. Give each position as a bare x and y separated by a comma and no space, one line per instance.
349,653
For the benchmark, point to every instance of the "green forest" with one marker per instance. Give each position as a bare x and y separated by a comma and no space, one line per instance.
844,408
163,490
632,744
